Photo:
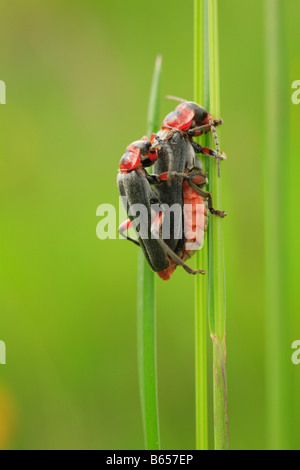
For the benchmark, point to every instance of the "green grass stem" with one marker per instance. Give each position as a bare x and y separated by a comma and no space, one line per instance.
216,270
147,308
201,96
210,290
276,175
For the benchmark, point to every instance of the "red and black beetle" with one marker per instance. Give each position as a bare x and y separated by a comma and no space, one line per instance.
194,120
184,190
188,118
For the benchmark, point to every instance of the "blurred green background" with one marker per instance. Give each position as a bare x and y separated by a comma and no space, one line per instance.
78,75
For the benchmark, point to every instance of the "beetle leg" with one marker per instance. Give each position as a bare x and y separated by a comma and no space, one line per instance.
167,176
206,128
201,129
198,177
207,151
155,227
207,195
212,153
123,229
212,125
153,179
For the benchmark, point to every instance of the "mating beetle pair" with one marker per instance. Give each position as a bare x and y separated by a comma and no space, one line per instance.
189,118
176,188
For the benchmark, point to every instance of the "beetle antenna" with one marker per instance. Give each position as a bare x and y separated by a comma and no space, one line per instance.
175,98
214,133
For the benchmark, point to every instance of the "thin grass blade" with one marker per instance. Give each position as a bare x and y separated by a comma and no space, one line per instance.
217,300
276,175
146,308
201,96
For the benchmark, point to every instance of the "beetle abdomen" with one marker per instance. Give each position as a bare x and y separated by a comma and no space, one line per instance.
195,219
195,226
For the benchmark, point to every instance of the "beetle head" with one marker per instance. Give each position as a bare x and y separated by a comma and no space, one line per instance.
201,116
138,154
